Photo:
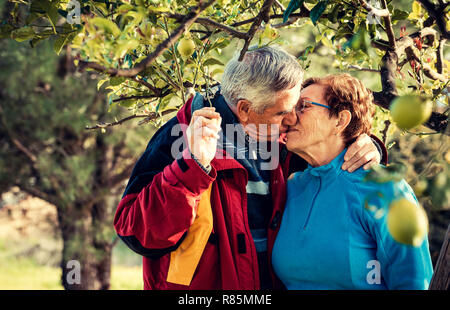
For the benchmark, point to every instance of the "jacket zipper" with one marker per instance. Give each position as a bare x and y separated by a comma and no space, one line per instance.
312,204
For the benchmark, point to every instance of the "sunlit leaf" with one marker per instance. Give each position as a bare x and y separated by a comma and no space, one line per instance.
23,34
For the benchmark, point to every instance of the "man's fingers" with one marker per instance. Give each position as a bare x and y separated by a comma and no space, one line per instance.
356,156
205,112
370,164
356,165
355,147
206,122
207,130
365,159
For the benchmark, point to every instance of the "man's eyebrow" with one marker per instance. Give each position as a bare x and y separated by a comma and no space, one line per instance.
285,111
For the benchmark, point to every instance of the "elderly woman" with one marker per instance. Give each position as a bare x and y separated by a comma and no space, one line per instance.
327,238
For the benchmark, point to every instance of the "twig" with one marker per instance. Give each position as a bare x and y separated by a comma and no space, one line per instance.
150,116
14,140
387,123
263,15
363,69
156,91
278,4
388,25
208,22
135,97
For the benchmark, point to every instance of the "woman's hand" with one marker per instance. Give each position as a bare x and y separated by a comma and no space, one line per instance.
362,152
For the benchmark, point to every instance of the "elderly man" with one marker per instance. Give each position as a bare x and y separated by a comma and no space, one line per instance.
203,213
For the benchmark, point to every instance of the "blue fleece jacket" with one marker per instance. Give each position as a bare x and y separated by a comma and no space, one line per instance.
329,239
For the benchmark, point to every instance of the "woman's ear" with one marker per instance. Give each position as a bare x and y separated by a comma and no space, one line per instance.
344,118
242,110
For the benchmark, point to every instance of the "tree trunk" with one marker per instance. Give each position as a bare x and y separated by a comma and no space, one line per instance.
441,276
86,262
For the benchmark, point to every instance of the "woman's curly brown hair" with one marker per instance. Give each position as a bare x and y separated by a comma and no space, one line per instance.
344,92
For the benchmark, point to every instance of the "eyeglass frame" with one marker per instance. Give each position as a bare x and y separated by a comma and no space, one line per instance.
302,107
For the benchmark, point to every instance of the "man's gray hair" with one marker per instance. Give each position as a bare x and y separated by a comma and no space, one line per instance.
259,76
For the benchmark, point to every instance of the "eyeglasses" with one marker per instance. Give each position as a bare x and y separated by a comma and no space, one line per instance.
301,106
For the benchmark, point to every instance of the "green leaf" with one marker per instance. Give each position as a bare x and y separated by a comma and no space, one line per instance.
124,46
416,10
124,8
53,15
23,34
212,61
117,80
59,43
101,82
318,10
399,15
292,7
106,25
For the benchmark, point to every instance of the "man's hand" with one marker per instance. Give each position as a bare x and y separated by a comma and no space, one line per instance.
362,152
202,134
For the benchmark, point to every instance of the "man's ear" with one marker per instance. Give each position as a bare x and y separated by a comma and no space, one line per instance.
344,118
243,110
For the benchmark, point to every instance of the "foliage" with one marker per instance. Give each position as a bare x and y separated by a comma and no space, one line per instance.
134,42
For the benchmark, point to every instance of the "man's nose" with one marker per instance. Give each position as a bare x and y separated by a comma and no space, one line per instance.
290,119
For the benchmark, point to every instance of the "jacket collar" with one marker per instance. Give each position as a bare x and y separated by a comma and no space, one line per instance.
329,170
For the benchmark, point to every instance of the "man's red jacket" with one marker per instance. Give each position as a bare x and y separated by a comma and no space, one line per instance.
160,204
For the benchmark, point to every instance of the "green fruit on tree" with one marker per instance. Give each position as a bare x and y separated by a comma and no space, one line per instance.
407,223
186,47
409,111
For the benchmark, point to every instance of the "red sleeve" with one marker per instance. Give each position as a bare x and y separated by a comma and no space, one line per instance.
158,216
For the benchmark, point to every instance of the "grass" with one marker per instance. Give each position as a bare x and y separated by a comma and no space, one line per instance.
25,274
19,272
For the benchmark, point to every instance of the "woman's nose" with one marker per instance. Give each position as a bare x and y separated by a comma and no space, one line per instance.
290,119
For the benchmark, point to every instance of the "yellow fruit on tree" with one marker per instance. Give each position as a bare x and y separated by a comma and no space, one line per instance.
409,111
407,223
186,47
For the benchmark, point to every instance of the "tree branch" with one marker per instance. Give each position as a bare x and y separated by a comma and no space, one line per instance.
156,91
150,116
262,16
14,140
438,14
359,68
437,121
208,22
440,56
33,191
135,97
388,25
